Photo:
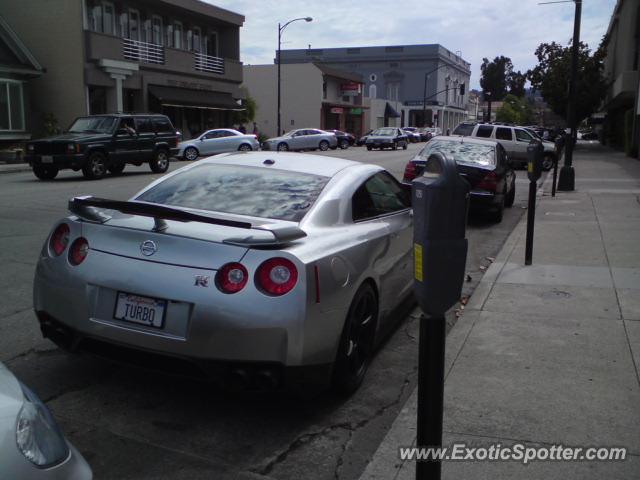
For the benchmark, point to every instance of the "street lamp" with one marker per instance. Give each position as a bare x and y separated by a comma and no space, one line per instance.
488,94
280,30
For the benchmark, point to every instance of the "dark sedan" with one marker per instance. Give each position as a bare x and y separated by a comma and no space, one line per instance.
387,137
483,163
345,140
362,140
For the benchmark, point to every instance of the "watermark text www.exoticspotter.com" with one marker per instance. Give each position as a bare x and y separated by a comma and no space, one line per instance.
513,453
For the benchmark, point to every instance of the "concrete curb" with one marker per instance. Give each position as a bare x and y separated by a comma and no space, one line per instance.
14,168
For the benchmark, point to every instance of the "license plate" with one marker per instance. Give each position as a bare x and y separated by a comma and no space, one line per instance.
46,159
142,310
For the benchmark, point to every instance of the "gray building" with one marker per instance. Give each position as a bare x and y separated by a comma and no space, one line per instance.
178,57
399,73
622,104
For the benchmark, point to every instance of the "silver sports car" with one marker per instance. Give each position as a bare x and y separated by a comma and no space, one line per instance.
31,443
262,270
302,139
221,140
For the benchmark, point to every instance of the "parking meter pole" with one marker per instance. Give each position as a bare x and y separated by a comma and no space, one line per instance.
430,392
555,177
531,216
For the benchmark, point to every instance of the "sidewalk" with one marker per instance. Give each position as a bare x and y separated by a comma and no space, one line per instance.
548,354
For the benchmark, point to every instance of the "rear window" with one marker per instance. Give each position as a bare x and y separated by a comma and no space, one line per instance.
484,131
163,125
464,129
471,153
384,132
240,190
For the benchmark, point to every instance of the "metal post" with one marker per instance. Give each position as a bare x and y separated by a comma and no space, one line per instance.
279,132
424,101
430,392
567,179
531,215
555,177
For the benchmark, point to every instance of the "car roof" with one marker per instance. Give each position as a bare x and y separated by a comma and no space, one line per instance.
463,139
224,130
291,161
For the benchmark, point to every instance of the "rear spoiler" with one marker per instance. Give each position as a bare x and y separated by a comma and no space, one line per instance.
88,208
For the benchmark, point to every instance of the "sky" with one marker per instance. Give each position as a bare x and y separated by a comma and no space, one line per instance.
481,28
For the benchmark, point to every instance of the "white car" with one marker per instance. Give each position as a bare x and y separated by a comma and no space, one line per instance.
31,443
302,139
220,140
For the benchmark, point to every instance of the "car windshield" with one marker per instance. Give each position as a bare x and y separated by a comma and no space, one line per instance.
384,132
93,124
241,190
462,152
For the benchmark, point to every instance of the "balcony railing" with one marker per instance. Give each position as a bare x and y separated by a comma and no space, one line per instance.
207,63
142,51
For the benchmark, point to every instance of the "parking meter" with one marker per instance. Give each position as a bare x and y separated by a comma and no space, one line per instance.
440,201
440,204
535,152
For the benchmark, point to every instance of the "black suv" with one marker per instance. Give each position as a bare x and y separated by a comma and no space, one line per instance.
99,143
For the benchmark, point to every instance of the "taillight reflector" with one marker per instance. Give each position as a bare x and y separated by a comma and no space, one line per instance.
410,172
78,251
231,278
277,276
59,239
489,182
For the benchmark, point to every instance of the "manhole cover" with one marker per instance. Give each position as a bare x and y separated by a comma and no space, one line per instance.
555,294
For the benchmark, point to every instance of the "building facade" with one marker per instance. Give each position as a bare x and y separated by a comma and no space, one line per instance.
425,79
311,96
18,67
622,103
177,57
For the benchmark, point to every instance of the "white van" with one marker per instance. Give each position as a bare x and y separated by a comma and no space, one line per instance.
514,140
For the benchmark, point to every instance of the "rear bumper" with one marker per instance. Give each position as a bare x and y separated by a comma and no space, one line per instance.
60,161
480,199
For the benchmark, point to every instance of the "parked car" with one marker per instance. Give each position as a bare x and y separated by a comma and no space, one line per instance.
32,445
363,139
425,134
483,163
255,270
220,140
515,141
98,144
387,137
345,140
302,139
413,134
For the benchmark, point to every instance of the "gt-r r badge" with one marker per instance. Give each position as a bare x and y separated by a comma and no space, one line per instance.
148,248
202,281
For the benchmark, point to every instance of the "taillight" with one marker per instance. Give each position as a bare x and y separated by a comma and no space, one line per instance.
489,182
78,251
59,239
277,276
232,278
410,172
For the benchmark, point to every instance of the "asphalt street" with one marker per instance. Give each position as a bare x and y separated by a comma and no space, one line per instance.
132,424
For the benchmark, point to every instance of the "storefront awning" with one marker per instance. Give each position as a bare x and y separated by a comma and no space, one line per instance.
389,111
185,97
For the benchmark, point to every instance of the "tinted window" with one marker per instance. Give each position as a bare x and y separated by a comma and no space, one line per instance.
240,190
385,132
379,195
523,136
163,125
314,132
144,125
210,135
465,129
503,134
93,124
484,131
225,133
463,152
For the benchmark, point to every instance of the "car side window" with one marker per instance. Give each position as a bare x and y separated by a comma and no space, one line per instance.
523,136
128,125
163,125
484,131
379,195
224,133
144,125
211,135
503,133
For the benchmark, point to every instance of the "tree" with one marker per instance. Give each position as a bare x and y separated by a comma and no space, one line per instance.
515,110
250,108
499,78
551,78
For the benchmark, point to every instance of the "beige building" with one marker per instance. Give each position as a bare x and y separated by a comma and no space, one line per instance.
177,57
311,96
622,104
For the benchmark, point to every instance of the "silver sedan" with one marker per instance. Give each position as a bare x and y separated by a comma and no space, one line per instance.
221,140
302,139
260,270
31,443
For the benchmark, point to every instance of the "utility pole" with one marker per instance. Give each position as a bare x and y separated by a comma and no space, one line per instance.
567,180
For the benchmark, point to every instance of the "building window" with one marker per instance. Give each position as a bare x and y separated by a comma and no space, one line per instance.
156,28
197,39
373,91
211,44
108,18
146,31
95,20
393,91
346,98
177,35
324,90
134,25
11,106
169,41
124,25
